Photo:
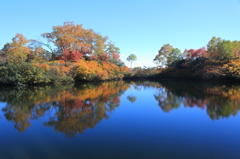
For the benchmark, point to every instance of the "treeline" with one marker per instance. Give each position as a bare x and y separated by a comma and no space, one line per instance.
70,53
219,60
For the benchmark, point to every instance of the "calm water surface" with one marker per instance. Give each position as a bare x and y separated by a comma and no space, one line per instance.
115,120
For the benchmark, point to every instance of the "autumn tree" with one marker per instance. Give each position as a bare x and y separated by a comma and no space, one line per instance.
113,53
193,54
163,54
131,58
158,61
186,55
72,37
74,42
17,50
202,52
71,55
167,55
99,45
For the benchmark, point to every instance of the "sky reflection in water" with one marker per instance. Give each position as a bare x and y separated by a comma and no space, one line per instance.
121,120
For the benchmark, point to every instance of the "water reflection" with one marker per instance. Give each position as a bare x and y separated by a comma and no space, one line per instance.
72,109
68,109
167,100
220,100
132,98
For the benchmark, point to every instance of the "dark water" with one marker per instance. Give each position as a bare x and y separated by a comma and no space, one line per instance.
142,120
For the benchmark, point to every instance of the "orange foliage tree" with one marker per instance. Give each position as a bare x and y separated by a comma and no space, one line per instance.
73,41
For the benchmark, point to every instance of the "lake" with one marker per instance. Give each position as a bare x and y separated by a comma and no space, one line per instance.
115,120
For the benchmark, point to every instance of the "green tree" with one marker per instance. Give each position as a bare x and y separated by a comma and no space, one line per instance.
175,55
223,49
226,49
131,58
213,47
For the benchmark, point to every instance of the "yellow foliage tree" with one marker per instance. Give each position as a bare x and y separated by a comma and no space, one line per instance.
17,51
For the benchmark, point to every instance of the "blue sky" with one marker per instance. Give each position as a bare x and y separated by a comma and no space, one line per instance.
139,26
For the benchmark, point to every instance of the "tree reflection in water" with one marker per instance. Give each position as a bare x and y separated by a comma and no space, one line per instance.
75,108
167,100
72,109
219,99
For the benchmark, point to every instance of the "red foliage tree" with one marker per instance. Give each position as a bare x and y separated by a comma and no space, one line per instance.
115,56
202,52
236,53
69,55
